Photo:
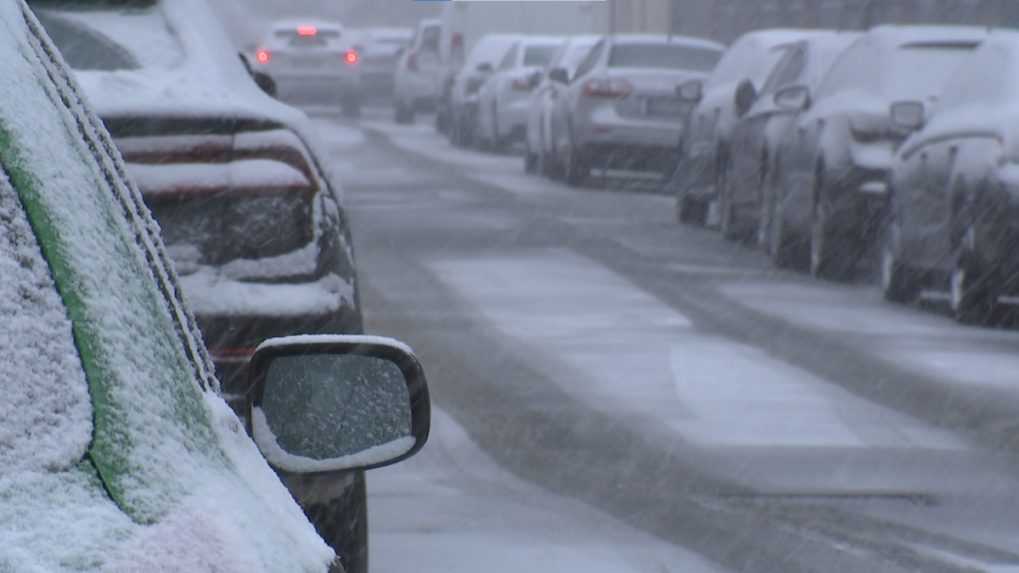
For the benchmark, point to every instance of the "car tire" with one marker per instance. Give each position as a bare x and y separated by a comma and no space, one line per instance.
899,282
575,169
785,248
690,211
973,295
530,161
830,257
402,114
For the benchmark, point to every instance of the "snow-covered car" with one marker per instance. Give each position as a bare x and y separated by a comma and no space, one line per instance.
419,74
254,223
834,170
954,200
462,105
119,454
720,100
747,199
622,107
312,62
504,98
380,49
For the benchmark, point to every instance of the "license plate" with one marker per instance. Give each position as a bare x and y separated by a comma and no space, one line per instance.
665,107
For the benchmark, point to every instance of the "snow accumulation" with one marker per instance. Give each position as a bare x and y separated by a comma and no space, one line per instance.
210,293
182,488
207,177
336,338
281,458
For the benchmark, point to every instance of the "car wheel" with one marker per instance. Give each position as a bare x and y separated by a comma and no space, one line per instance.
830,257
786,249
575,169
899,282
973,295
530,161
402,114
690,211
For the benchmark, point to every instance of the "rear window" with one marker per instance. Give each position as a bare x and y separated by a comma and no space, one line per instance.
309,36
919,71
664,56
539,56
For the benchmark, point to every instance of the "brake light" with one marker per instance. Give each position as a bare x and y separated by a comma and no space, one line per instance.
607,88
263,56
307,31
412,61
352,57
457,41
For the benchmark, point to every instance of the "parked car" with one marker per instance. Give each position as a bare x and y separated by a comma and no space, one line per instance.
380,48
463,102
504,97
312,62
420,71
835,164
543,117
254,224
748,197
622,106
955,189
119,452
719,101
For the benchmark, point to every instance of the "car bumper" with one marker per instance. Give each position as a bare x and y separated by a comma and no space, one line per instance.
315,89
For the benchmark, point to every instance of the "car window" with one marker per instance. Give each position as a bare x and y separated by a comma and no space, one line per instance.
788,70
590,61
572,55
666,56
980,82
509,60
539,55
430,38
749,58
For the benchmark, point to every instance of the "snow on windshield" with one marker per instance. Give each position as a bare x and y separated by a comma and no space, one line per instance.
114,39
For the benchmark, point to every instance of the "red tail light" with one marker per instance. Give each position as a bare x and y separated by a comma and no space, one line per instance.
352,57
412,62
307,31
522,84
263,56
607,88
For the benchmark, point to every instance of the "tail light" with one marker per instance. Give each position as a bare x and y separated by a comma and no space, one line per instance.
412,61
607,88
307,31
263,56
521,84
352,57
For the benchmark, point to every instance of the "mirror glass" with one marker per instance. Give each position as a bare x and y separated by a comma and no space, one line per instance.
327,412
792,98
908,115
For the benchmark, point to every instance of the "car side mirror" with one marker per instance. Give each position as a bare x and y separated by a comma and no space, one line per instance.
745,97
559,75
484,68
908,116
691,91
265,81
533,80
792,98
327,403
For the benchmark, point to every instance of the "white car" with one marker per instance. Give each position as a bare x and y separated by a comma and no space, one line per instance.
419,74
380,50
312,62
504,99
462,103
543,121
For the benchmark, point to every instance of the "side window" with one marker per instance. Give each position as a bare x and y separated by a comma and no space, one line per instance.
590,61
788,70
430,39
510,59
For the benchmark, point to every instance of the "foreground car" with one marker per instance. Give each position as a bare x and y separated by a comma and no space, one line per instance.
719,101
623,110
955,190
312,62
255,227
119,454
748,198
835,169
504,97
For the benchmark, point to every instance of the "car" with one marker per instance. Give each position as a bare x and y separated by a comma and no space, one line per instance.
505,96
380,49
254,223
119,452
622,106
718,102
835,166
312,62
954,191
748,197
463,101
420,71
544,117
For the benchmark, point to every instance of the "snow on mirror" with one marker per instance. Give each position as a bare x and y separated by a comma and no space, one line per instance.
327,412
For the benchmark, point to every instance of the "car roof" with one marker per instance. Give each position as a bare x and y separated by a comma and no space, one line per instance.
893,36
665,39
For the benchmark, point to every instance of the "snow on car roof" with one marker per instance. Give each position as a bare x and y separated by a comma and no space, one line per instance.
752,56
663,39
901,35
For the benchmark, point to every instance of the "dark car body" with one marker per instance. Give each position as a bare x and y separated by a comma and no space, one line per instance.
835,163
955,191
747,199
703,147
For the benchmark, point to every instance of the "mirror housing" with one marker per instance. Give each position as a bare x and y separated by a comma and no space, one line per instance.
332,403
792,98
691,91
265,81
559,75
745,97
908,116
484,68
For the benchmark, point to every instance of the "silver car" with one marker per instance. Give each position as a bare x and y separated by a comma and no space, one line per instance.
312,62
623,110
467,83
504,98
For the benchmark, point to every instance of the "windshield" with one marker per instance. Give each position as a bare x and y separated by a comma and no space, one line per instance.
663,56
725,286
